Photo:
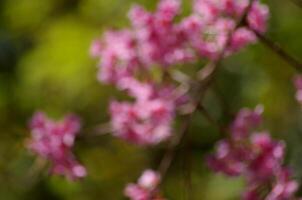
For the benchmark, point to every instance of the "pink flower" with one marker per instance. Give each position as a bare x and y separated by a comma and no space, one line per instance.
135,192
258,16
156,39
53,141
149,179
255,156
168,9
139,16
159,40
241,38
140,91
148,119
227,159
268,158
234,7
298,82
298,85
251,193
246,120
117,55
214,38
144,123
209,10
284,188
146,188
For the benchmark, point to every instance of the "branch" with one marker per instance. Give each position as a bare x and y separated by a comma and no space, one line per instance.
297,3
222,130
170,152
187,163
226,109
205,76
277,49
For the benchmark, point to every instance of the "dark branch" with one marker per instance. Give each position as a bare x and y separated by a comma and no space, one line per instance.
205,79
222,130
277,49
297,3
169,155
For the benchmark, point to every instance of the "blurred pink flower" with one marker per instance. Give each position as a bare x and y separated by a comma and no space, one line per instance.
258,17
298,84
53,141
146,187
255,156
149,119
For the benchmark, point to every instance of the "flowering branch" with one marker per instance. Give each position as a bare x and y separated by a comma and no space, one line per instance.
130,59
205,77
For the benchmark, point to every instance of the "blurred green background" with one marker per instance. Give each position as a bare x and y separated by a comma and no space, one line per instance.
45,65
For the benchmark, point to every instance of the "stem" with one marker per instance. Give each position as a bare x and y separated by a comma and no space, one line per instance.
205,76
211,120
170,153
297,3
223,103
187,168
277,49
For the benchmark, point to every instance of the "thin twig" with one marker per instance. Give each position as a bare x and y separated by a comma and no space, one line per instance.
187,168
277,49
297,3
223,103
205,77
222,130
170,152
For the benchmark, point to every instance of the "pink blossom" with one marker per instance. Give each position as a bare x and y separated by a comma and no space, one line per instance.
227,159
53,141
298,85
258,16
268,158
255,156
214,38
155,38
148,119
149,179
160,41
140,91
146,187
209,10
168,9
245,120
143,122
298,82
135,192
117,55
284,187
241,38
139,16
251,195
234,7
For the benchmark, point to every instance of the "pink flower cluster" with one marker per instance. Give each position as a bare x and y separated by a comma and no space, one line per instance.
298,85
53,141
209,26
157,40
148,120
145,188
255,156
